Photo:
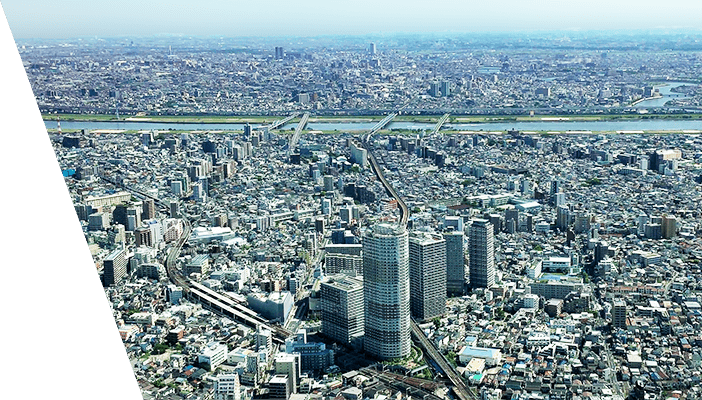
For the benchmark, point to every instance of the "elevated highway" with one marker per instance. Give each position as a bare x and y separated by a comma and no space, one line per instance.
440,123
277,124
382,123
298,131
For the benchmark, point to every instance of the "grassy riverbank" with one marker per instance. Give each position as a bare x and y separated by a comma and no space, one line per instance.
257,119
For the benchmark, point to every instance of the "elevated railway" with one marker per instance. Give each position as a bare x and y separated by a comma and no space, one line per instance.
462,391
214,301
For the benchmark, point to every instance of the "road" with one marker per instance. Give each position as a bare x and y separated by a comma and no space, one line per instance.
439,124
277,124
298,131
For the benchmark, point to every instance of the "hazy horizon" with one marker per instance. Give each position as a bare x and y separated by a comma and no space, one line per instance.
66,19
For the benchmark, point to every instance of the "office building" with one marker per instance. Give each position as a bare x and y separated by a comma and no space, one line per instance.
227,387
619,314
279,53
175,209
455,263
445,88
653,231
328,183
668,226
98,221
659,159
556,186
314,356
342,308
114,268
427,264
143,237
481,256
512,214
213,355
177,188
275,306
372,49
562,217
558,199
290,365
149,211
434,89
199,264
279,387
454,221
386,291
174,294
122,214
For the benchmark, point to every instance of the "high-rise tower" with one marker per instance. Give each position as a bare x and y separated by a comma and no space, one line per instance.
342,308
427,263
114,268
455,264
481,254
386,291
619,314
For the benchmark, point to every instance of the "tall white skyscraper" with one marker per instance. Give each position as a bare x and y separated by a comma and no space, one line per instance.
386,291
481,254
427,254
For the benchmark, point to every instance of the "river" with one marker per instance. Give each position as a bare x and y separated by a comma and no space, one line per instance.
557,126
666,93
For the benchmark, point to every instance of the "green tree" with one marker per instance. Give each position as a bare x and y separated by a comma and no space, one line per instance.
451,356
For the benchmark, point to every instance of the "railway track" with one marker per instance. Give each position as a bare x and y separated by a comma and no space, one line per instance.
216,302
462,391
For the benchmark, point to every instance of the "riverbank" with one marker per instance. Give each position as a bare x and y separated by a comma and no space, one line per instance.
397,132
256,119
645,99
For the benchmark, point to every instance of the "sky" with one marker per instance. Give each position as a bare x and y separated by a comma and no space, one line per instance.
63,19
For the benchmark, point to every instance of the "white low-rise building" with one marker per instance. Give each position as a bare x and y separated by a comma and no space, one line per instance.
538,339
491,356
213,355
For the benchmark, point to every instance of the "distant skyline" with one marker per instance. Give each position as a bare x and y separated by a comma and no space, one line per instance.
65,19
